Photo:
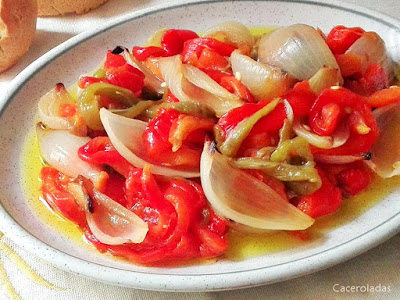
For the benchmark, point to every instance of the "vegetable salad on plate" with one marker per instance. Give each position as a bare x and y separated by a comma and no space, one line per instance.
167,147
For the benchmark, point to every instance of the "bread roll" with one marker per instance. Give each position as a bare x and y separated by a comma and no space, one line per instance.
62,7
17,29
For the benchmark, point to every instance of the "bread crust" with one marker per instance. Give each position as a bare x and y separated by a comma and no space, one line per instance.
62,7
17,30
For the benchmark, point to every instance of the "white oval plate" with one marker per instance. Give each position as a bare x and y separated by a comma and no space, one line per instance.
84,52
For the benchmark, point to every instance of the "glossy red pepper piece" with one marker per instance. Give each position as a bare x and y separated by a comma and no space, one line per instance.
174,39
196,46
326,200
181,224
354,110
143,53
340,38
55,192
113,60
128,77
100,150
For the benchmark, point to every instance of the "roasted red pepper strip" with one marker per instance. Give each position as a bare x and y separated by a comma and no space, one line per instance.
128,77
324,201
197,45
113,60
354,180
264,133
300,98
236,87
173,40
55,191
143,53
208,59
181,225
340,38
229,82
373,80
351,178
384,97
100,150
352,109
159,148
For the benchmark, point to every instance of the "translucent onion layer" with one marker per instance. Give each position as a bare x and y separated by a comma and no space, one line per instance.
338,139
386,151
263,81
297,49
126,136
59,149
110,222
371,49
188,83
238,196
232,32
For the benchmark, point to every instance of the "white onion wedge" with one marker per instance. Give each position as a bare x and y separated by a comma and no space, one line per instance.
263,81
297,49
126,136
238,196
386,151
59,149
205,82
151,81
371,48
109,221
49,111
324,78
49,108
190,84
324,142
232,32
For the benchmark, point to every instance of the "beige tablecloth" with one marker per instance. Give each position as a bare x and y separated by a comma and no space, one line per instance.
379,266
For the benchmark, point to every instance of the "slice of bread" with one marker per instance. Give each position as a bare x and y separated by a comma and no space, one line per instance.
17,30
62,7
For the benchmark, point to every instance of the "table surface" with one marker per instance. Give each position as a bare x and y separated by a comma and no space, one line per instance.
379,266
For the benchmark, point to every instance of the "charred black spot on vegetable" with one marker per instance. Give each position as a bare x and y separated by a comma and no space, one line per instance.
150,94
118,50
298,160
90,205
367,155
88,186
41,126
59,87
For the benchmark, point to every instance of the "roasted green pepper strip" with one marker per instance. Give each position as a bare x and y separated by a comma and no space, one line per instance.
285,149
304,188
189,108
279,170
301,147
297,171
286,131
135,110
265,153
88,101
235,138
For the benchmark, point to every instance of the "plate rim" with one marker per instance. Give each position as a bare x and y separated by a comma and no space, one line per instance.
149,281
